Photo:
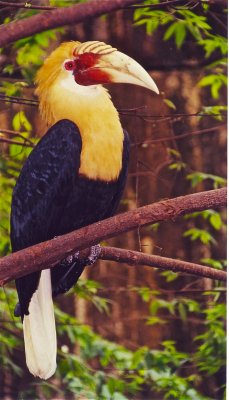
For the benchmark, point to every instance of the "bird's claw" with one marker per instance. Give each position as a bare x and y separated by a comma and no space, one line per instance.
70,259
94,254
73,257
90,260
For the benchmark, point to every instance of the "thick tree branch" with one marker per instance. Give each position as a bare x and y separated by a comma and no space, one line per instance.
59,17
136,258
47,254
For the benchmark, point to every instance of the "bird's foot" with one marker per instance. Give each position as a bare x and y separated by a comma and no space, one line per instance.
69,270
89,260
71,259
94,254
74,257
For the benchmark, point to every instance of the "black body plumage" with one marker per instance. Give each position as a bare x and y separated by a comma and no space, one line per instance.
51,198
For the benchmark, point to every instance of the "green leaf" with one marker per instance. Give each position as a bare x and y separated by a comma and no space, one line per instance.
119,396
180,34
198,177
212,43
178,166
20,121
215,81
170,276
182,311
155,320
169,103
213,263
216,221
170,31
8,69
199,234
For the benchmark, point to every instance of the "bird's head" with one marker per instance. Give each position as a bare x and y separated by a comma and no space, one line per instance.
76,67
93,63
98,63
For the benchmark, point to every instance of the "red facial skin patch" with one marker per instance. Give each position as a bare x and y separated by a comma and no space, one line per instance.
85,70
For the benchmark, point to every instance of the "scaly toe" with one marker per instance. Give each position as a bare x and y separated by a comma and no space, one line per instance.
94,254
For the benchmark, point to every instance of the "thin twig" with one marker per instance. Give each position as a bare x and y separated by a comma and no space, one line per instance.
132,112
25,5
16,134
18,100
182,136
10,141
150,118
219,21
174,3
163,4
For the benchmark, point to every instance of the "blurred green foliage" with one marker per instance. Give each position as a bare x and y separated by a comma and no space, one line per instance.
104,370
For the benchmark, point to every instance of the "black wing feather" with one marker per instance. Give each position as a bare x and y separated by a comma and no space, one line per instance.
51,199
41,193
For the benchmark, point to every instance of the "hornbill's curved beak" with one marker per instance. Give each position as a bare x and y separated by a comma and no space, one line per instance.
97,62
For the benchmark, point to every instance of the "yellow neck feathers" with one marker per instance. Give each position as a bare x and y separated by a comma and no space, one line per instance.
90,108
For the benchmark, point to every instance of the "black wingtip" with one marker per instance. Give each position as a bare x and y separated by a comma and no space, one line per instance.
17,310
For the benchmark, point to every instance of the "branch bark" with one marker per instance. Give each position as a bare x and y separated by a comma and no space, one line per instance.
136,258
47,254
59,17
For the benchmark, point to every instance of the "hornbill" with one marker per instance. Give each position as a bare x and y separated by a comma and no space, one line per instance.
74,176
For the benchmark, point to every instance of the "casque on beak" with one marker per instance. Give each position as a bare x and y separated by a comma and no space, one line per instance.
97,62
123,69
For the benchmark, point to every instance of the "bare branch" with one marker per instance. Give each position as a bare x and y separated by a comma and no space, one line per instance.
136,258
181,136
134,112
16,134
18,100
47,254
188,4
165,4
59,17
131,112
10,141
25,5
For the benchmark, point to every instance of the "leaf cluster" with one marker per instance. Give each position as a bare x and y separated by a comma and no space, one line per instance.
182,23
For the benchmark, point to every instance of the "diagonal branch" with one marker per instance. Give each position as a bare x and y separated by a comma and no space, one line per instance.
59,17
47,254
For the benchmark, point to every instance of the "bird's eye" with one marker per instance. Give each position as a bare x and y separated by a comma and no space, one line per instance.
69,65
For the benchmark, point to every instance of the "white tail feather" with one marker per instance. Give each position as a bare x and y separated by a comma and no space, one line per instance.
40,330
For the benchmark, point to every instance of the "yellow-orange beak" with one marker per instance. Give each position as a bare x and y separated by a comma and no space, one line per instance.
97,62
